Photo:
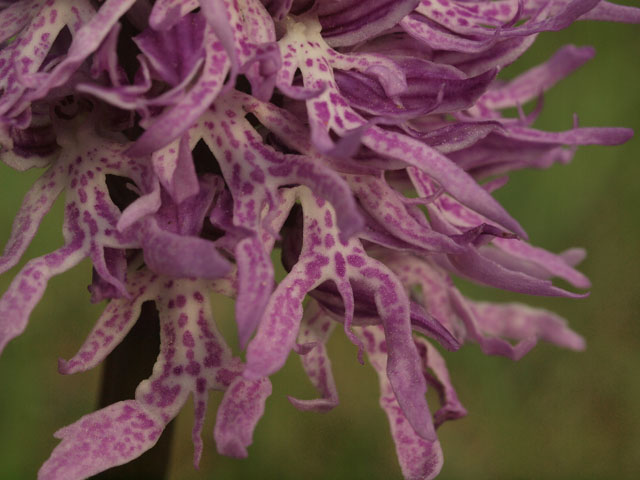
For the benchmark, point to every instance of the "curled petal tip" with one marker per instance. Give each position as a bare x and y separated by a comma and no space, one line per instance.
63,366
624,135
320,405
577,343
233,449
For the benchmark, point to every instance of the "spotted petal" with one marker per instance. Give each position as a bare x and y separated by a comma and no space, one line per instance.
103,439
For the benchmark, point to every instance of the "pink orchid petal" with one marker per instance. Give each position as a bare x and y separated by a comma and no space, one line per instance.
520,322
35,205
539,79
255,284
193,359
100,440
175,120
420,459
29,285
349,22
86,41
241,408
315,330
178,256
113,325
450,408
166,13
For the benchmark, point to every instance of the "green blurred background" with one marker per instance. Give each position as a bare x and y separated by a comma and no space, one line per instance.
554,415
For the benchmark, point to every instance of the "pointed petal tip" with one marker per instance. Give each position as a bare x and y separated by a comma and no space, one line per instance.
626,134
574,256
573,341
197,455
553,291
243,339
140,148
577,295
242,406
612,136
233,449
303,349
582,282
581,345
586,51
516,228
63,367
320,405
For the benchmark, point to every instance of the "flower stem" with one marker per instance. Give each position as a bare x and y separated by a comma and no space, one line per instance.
131,362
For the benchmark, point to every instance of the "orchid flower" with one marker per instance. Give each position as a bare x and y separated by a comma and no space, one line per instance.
361,140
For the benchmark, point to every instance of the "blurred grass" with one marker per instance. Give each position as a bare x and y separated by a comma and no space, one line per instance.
553,415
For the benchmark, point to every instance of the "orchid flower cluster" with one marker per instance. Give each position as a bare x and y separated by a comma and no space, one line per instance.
362,140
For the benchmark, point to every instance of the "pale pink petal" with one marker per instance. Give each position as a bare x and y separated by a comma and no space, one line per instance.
100,440
241,408
315,330
35,205
420,459
113,325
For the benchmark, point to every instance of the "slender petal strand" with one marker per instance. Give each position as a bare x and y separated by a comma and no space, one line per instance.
173,122
35,206
24,55
419,459
348,22
315,330
520,322
610,12
437,375
195,141
240,410
255,284
29,285
539,79
113,325
86,41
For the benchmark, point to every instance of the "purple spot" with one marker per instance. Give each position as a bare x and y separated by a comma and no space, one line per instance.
355,260
340,265
201,385
328,221
187,340
322,111
329,241
193,368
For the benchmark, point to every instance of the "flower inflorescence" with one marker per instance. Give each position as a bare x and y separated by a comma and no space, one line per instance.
361,139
